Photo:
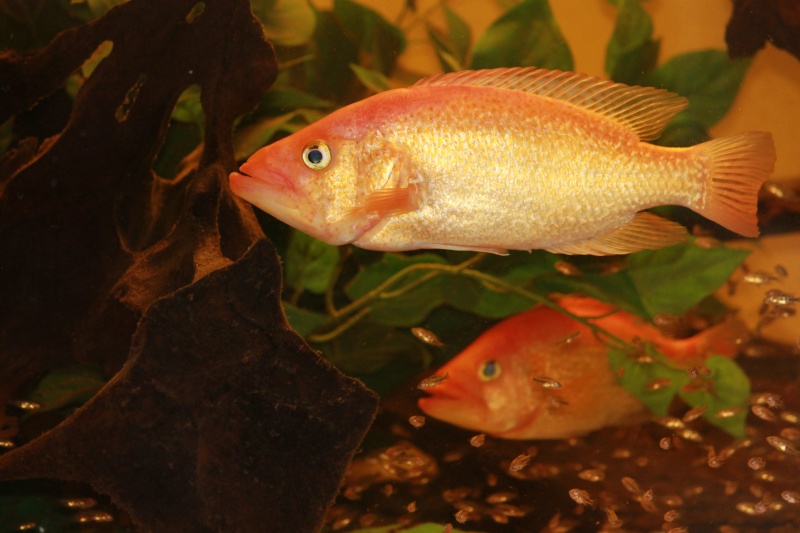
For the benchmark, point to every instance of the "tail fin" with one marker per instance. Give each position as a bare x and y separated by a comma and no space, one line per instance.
721,339
739,165
724,338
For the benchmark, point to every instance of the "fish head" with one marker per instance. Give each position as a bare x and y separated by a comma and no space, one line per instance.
310,180
320,179
502,384
484,391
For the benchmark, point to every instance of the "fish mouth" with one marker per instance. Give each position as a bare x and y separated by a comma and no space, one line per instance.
250,177
454,405
274,193
446,389
284,199
441,394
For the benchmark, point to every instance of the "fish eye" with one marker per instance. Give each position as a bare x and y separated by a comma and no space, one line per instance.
489,370
317,155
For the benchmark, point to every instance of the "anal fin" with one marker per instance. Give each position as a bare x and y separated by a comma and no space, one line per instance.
645,232
396,186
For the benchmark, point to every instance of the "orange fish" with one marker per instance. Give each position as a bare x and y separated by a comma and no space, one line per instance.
503,159
495,386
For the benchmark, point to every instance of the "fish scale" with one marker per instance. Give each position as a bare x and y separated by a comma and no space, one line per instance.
526,350
495,203
505,159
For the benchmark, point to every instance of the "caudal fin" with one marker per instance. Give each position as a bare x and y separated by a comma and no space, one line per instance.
722,339
739,165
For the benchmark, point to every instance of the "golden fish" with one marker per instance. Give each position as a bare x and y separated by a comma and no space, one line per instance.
491,385
493,160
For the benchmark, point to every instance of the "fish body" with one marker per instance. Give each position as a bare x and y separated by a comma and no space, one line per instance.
504,159
492,385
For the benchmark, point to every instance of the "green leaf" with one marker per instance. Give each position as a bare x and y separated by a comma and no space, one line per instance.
99,7
637,376
682,132
182,138
444,51
373,80
673,279
287,99
519,269
63,387
254,136
382,40
631,53
371,276
617,289
728,387
76,80
329,74
403,308
730,390
286,22
469,295
452,47
526,35
310,263
100,53
709,79
188,108
458,33
302,320
367,347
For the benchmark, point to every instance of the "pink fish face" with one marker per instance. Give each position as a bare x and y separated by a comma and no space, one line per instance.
309,181
484,391
335,179
542,375
487,160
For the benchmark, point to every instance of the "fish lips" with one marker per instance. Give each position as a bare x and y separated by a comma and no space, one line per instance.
274,193
252,180
452,403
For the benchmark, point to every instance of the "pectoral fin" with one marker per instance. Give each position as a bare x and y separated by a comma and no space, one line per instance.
392,201
645,232
396,186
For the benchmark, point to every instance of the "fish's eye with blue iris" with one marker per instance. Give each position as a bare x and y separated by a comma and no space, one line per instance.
489,370
317,155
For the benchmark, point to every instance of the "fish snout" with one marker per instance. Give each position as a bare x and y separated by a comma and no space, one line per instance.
265,177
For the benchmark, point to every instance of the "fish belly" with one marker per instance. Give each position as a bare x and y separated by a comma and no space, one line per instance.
502,169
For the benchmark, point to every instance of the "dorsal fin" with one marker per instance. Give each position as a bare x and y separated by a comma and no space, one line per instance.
645,110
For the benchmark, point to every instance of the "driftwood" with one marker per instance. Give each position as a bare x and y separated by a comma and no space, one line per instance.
756,22
218,417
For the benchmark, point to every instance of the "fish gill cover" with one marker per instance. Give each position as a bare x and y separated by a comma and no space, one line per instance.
189,262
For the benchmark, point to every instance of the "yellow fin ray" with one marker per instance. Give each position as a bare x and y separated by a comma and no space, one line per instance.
739,165
645,232
387,202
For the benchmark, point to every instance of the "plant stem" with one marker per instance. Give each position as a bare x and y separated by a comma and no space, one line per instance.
359,307
492,281
381,290
341,328
386,290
